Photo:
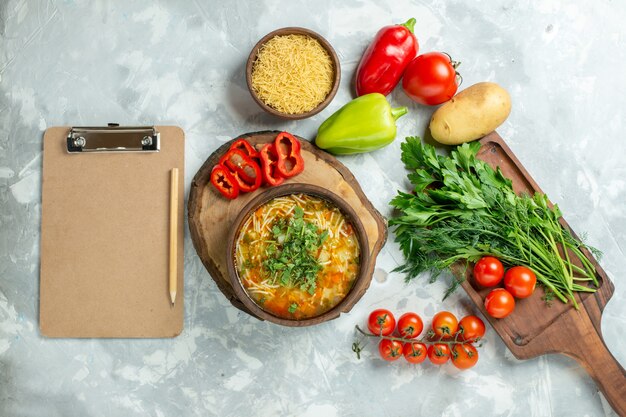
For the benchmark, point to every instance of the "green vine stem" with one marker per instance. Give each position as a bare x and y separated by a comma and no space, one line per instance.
425,340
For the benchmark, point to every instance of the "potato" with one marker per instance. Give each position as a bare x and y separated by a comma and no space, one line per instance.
471,114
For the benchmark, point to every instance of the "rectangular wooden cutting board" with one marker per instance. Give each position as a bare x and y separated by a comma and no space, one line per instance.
536,329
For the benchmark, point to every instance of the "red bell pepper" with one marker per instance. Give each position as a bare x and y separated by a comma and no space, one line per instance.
247,187
222,179
246,147
237,161
290,162
269,159
385,60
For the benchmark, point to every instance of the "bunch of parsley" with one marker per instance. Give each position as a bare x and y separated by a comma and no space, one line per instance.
462,209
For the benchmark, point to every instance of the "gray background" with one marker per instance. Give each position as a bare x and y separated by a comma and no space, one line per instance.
80,62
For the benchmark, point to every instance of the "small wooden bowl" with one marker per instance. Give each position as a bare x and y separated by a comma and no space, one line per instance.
294,31
361,280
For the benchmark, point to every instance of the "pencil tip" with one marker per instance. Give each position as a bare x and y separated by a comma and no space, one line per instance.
173,296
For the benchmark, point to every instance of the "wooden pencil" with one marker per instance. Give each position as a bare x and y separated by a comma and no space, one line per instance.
173,275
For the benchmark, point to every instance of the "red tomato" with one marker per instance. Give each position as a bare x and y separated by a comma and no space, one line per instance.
438,353
381,322
430,78
415,352
390,350
410,325
464,356
488,271
499,303
471,328
520,281
445,324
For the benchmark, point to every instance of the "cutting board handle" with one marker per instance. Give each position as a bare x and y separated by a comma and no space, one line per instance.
590,351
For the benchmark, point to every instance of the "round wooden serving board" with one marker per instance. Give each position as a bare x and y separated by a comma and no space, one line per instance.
211,216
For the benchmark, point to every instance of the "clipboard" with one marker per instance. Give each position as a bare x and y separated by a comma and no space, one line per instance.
105,231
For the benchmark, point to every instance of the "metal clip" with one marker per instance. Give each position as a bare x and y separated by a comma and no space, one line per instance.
113,138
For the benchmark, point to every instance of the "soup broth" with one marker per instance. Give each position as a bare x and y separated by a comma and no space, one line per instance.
297,256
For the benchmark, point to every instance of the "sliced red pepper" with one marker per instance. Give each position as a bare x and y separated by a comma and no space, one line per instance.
290,162
246,147
246,187
269,159
237,161
223,180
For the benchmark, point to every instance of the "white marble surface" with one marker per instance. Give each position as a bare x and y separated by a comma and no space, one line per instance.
85,62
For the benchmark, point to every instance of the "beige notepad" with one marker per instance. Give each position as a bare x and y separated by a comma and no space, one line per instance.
105,234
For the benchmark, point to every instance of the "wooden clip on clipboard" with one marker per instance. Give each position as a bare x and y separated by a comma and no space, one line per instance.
105,232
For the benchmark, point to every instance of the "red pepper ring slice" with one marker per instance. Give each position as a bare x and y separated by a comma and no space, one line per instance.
271,176
246,187
246,147
237,161
224,182
290,162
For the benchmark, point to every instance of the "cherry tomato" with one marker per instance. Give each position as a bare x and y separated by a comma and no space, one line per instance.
520,281
471,328
381,322
499,303
464,356
445,324
430,78
438,353
390,350
488,271
410,325
415,352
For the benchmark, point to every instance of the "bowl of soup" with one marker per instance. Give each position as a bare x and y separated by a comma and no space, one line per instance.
295,254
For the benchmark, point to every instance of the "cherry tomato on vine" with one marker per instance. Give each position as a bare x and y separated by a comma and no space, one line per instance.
499,303
415,352
520,281
438,353
410,325
471,328
431,78
488,271
381,322
445,324
464,356
390,350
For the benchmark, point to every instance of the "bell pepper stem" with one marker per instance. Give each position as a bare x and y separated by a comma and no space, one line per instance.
398,112
410,24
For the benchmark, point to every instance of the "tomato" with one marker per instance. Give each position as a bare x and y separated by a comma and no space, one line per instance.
410,325
381,322
390,350
445,324
464,356
439,353
415,352
499,303
520,281
430,78
488,271
471,328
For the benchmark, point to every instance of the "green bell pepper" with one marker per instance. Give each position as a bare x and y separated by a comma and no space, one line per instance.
365,124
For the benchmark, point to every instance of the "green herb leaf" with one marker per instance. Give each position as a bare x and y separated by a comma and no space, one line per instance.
293,263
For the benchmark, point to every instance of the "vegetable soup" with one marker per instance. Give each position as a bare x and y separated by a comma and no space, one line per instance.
297,256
